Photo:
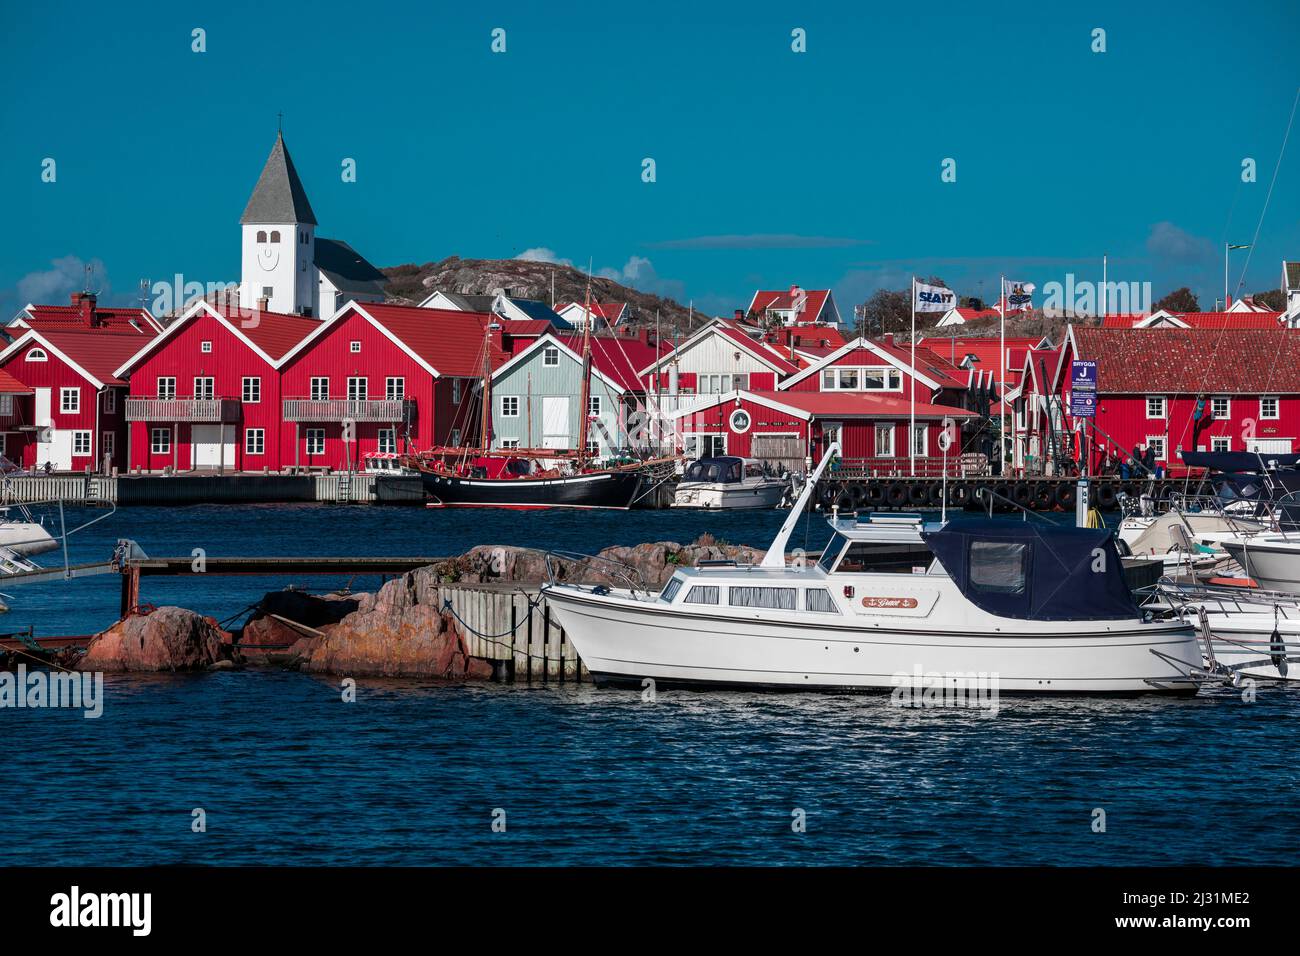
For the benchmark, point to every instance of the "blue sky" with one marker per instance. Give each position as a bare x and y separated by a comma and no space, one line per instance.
772,167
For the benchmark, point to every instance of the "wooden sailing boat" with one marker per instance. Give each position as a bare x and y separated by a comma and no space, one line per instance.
515,478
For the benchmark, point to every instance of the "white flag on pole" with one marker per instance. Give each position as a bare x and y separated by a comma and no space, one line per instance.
933,298
1017,296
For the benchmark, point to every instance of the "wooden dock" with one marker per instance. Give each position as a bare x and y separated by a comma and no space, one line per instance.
188,489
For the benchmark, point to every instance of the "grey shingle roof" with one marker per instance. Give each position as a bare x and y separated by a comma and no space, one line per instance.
347,268
278,196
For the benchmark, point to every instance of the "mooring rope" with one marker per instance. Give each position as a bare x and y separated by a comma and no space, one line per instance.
533,604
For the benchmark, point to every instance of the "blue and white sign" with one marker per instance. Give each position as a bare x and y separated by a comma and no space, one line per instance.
1083,388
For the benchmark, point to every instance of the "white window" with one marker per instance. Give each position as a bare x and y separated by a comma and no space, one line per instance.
315,441
865,379
820,600
921,440
593,446
160,441
509,406
166,387
1220,443
1155,406
6,404
320,388
110,402
205,346
252,389
593,404
354,347
205,388
268,291
254,441
550,356
388,441
776,598
1268,407
358,389
1220,407
702,594
70,400
510,443
884,441
455,438
36,355
1157,444
395,389
455,391
80,443
107,444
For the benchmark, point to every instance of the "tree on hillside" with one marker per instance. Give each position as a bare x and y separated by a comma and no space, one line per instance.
1271,299
1180,300
890,310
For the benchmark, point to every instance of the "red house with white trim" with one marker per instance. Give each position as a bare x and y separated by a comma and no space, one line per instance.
76,417
1150,383
206,393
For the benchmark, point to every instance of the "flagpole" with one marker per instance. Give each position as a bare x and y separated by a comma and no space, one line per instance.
911,427
1002,375
1105,300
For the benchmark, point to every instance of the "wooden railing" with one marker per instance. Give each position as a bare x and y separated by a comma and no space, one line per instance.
341,409
182,410
901,466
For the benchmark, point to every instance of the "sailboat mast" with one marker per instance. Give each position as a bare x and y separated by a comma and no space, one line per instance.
584,407
486,425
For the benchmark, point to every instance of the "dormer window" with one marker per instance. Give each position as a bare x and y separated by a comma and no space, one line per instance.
37,355
275,235
261,235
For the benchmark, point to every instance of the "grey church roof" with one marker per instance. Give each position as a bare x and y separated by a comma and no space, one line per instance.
278,196
347,268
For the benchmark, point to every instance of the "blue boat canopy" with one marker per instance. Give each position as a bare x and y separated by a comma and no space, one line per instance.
1035,571
1238,460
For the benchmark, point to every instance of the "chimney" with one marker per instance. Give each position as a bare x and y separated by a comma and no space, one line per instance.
263,304
85,302
645,336
740,315
888,338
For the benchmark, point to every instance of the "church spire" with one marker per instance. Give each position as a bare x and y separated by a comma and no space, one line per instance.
278,196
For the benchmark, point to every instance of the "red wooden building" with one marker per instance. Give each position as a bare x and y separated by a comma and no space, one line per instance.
75,420
1150,383
407,378
206,393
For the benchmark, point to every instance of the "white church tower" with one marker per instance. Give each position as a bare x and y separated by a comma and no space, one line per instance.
279,240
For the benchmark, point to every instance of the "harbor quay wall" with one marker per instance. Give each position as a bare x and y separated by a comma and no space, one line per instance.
215,489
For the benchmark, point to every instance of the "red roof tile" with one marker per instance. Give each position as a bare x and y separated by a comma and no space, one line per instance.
449,341
1192,361
860,404
100,351
618,358
275,333
69,318
11,386
1231,320
814,302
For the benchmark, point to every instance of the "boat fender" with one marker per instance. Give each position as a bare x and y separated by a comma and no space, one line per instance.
844,502
1277,650
827,494
896,495
958,495
1021,493
1064,495
917,494
1044,498
857,493
1106,496
934,494
875,494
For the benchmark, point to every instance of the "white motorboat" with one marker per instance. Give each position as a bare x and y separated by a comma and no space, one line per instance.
22,534
1189,535
1271,560
1252,633
729,482
1038,608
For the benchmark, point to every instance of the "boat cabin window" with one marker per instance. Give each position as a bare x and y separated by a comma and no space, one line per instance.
702,594
819,599
831,553
885,557
999,567
670,589
778,598
754,470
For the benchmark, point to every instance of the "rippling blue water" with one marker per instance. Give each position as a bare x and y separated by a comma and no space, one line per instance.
412,772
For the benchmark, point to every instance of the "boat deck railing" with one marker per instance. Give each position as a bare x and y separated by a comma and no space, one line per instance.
630,577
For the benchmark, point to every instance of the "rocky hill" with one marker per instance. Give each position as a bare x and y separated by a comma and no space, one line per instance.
410,284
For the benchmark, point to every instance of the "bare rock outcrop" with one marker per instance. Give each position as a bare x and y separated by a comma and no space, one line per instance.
167,639
397,639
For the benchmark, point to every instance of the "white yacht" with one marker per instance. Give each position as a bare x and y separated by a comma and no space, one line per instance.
1043,609
1252,633
1271,560
22,534
729,482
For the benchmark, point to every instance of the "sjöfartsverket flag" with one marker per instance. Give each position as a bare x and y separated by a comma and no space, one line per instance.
1017,295
933,298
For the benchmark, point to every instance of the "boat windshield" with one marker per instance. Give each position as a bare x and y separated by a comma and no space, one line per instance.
723,470
831,553
885,557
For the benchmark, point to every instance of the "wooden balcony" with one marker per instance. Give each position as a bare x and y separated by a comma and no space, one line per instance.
182,410
341,409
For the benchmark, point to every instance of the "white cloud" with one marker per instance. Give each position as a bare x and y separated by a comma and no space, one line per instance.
639,273
52,286
543,254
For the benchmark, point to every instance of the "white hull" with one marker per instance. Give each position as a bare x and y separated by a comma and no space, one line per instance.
1273,564
767,495
26,538
622,639
1247,639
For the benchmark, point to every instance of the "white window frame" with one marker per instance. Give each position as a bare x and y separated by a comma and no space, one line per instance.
455,391
594,405
1277,407
205,346
110,401
250,390
1164,407
358,388
455,438
210,387
386,441
509,406
510,443
254,441
1158,442
72,407
319,388
1227,406
551,356
1220,440
36,355
165,387
923,430
395,388
6,406
107,444
886,428
81,438
163,446
314,439
355,347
